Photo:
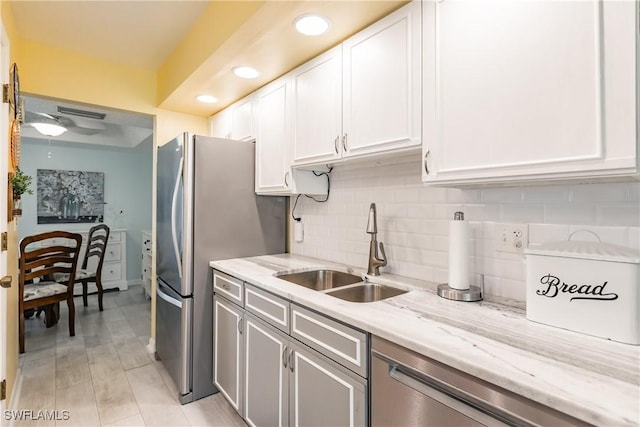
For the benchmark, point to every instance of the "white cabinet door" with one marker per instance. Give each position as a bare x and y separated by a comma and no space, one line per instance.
274,137
318,109
220,124
266,388
228,350
382,85
322,393
242,119
517,91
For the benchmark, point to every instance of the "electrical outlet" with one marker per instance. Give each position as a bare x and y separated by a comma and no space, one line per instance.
512,237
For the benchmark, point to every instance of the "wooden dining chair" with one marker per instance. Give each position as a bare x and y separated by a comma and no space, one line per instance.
90,270
40,259
96,248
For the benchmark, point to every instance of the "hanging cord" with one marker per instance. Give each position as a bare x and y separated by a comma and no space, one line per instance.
295,204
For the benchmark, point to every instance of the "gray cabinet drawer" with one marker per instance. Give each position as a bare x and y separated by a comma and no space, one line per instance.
228,286
268,307
335,340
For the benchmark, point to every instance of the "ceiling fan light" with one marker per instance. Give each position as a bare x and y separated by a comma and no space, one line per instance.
311,24
49,129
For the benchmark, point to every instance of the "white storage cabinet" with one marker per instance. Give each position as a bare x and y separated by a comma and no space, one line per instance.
235,121
529,91
273,145
363,97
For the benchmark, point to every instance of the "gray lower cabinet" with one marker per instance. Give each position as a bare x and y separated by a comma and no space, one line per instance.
290,384
323,393
280,364
228,350
267,375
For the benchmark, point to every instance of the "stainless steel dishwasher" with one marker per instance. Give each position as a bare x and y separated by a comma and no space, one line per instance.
408,389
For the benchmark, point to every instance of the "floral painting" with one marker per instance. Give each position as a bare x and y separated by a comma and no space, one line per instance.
69,196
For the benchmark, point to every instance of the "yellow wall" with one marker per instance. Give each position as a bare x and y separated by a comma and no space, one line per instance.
213,27
64,74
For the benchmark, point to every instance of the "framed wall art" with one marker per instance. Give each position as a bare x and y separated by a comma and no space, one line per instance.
69,196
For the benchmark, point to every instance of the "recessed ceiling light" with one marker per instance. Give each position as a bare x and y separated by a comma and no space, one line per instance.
246,72
311,24
207,99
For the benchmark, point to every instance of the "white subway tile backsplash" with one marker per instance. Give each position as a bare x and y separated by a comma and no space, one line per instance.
502,195
544,233
522,213
435,227
433,195
599,192
570,213
413,222
410,195
455,195
547,194
633,192
619,214
424,210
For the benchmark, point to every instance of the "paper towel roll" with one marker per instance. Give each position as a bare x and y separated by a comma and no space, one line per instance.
459,253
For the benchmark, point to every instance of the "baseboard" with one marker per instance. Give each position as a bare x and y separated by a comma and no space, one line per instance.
151,347
134,282
15,395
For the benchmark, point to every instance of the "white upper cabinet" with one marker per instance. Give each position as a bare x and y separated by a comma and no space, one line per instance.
220,124
235,121
538,90
273,145
273,111
318,109
381,86
242,118
362,97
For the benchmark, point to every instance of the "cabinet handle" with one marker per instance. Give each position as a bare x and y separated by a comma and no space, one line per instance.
284,357
344,142
286,176
291,360
426,167
240,326
335,143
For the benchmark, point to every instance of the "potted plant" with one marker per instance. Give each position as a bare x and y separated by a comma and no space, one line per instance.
20,183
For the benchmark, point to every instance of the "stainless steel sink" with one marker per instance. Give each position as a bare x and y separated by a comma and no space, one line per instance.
320,280
367,292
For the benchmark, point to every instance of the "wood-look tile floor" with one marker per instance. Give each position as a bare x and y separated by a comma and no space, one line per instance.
104,375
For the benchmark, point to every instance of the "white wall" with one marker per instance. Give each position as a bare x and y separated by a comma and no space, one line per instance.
413,222
127,187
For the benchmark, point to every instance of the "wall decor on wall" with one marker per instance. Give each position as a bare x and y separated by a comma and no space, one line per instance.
69,196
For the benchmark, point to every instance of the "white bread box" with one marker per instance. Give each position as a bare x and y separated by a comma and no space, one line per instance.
587,287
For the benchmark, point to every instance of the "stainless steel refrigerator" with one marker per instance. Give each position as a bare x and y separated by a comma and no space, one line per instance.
206,210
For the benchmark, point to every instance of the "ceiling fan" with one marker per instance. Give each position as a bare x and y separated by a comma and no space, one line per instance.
55,125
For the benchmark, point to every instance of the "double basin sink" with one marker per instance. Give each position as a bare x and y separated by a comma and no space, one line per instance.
342,285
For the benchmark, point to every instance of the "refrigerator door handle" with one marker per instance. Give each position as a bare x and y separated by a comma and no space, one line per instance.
166,297
174,231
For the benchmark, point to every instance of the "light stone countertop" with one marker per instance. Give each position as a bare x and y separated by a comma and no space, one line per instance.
592,379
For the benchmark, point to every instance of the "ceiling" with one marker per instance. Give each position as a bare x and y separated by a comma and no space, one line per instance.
145,33
119,128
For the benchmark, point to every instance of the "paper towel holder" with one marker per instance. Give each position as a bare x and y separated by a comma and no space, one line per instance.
474,293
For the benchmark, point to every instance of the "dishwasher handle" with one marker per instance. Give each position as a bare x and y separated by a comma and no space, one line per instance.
427,389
